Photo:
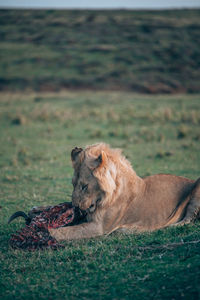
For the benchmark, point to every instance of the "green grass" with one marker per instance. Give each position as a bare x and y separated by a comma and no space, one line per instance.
140,51
157,134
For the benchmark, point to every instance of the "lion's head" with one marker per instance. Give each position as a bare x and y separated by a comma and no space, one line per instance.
95,177
87,192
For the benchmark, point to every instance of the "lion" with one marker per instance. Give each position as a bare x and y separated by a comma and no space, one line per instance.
115,198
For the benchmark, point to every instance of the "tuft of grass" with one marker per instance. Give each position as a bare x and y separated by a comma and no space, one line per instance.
19,120
183,131
162,154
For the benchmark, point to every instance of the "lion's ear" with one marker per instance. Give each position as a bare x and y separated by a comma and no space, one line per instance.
100,161
75,154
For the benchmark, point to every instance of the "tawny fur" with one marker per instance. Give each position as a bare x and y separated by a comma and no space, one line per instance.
106,186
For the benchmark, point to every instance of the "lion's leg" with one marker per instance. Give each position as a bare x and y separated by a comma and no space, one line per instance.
193,207
85,230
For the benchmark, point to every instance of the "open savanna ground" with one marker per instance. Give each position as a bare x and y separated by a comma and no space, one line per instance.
142,51
159,134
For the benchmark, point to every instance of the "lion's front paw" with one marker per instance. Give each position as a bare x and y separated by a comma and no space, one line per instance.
53,232
56,233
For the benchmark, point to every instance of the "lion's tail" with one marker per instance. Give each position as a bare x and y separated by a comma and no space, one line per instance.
178,212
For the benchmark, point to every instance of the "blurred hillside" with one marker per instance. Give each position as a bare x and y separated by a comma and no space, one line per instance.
142,51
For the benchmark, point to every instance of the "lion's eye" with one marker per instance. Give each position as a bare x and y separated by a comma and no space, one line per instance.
84,187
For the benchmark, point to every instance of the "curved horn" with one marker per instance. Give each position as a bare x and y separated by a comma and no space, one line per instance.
19,214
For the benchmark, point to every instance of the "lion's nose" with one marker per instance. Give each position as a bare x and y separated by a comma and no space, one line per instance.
74,201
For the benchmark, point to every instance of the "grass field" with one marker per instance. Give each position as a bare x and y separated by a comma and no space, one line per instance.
38,131
140,51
